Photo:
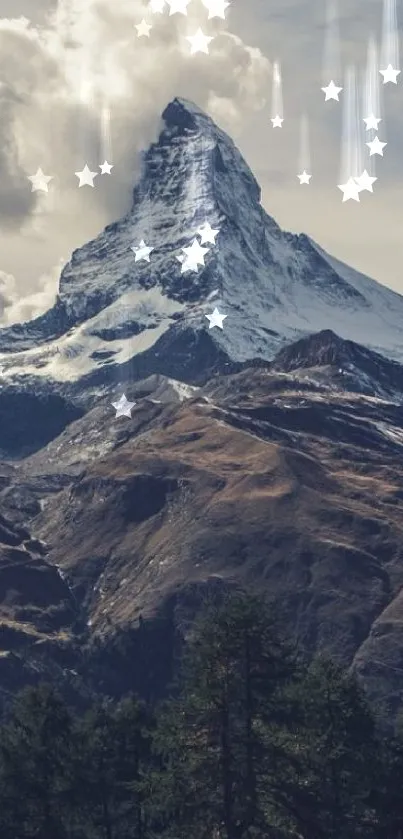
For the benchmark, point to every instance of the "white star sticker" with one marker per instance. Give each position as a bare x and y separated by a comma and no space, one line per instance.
106,168
331,91
365,181
178,6
372,122
86,177
123,407
142,251
156,6
143,28
389,75
350,190
304,178
39,181
187,265
216,319
207,233
277,121
376,147
199,42
216,8
195,254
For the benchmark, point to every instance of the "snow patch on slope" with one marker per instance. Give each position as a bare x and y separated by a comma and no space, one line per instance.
391,432
183,391
382,327
72,356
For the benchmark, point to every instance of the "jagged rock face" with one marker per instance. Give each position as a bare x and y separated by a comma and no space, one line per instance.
329,359
274,286
261,477
190,174
258,478
34,599
116,320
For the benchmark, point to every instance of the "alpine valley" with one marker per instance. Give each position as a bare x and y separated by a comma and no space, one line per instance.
268,453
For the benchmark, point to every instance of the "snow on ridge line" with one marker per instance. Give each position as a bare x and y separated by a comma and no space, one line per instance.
361,282
69,357
184,391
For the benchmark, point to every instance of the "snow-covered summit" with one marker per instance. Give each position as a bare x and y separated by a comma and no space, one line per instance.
117,319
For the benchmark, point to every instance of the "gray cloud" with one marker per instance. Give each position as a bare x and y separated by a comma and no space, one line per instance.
56,79
45,124
15,200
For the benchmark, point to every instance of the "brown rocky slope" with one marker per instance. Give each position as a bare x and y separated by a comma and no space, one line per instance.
259,478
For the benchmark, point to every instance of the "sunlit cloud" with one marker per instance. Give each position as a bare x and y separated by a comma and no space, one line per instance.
84,83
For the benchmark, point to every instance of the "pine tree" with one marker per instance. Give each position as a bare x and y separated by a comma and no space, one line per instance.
338,751
112,770
215,735
35,766
388,792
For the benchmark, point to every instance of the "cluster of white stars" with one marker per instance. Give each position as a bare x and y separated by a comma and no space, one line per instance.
86,177
354,186
40,181
191,258
199,42
332,91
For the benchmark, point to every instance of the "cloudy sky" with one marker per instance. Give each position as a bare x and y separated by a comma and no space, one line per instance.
62,62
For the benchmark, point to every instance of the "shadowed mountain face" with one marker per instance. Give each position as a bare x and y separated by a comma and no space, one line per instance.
284,474
262,478
118,320
344,364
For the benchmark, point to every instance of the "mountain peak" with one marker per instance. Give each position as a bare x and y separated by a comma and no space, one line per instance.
344,363
321,348
118,319
184,115
195,148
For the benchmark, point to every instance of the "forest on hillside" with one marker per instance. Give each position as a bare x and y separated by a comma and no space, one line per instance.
252,743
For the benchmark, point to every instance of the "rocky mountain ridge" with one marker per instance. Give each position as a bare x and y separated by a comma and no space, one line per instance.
268,453
260,478
116,320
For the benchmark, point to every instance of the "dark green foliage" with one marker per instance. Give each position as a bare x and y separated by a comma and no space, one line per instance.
219,734
337,751
35,764
111,764
252,745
